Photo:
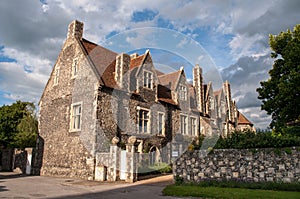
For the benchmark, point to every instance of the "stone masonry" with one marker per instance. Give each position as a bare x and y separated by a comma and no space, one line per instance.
254,165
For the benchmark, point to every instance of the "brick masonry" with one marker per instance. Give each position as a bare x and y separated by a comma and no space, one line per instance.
254,165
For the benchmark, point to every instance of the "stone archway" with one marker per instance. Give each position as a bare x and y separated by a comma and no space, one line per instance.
154,155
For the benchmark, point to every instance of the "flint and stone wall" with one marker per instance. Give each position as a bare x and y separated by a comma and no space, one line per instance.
254,165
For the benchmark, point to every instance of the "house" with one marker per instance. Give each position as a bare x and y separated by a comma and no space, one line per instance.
95,98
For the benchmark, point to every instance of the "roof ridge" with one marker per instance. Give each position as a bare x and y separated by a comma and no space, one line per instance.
97,45
169,73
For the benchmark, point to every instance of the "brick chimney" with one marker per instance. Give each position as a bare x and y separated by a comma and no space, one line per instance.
198,85
122,75
75,29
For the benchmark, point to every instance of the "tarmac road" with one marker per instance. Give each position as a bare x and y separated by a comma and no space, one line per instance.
20,187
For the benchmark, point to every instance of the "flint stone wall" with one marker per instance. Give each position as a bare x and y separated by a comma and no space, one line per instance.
251,165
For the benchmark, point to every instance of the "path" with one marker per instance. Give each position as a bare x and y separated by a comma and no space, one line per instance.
21,187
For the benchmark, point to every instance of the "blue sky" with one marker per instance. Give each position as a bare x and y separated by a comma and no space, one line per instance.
229,35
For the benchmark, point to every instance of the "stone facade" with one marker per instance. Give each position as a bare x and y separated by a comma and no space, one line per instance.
95,95
254,165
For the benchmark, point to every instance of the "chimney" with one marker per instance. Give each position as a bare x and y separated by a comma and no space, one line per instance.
198,85
75,29
134,55
122,67
227,92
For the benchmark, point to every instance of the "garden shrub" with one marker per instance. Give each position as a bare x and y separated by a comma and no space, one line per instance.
248,139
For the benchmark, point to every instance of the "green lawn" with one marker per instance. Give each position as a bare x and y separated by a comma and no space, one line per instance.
218,192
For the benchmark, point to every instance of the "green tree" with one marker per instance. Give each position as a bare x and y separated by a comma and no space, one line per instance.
18,125
280,94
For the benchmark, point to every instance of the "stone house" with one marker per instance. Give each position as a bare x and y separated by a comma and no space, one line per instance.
95,97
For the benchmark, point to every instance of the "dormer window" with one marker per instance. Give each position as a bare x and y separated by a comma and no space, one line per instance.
182,92
75,68
148,79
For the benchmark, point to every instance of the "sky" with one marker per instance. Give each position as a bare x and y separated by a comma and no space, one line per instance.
228,35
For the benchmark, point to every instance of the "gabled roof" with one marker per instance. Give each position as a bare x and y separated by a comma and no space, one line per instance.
108,76
192,96
158,73
242,119
208,90
218,95
136,62
102,59
170,80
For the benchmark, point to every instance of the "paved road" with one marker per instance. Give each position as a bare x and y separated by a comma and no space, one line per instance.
21,187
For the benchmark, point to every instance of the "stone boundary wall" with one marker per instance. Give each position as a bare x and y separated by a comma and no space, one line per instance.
251,165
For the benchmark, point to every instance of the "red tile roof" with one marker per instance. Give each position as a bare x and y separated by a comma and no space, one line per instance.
243,120
136,62
167,100
172,78
103,60
158,73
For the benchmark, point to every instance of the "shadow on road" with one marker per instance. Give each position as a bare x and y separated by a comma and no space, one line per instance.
10,175
146,189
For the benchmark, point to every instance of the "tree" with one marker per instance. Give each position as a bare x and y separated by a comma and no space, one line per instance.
18,125
280,94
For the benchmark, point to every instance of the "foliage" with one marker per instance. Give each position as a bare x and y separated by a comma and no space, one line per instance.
157,168
178,180
18,125
222,192
280,94
249,139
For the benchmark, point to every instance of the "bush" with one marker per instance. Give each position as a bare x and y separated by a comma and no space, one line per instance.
157,168
249,139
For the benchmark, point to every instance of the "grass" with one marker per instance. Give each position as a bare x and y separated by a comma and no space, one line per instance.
232,193
275,186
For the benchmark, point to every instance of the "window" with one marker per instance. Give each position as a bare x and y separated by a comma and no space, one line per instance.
161,124
75,67
143,121
148,79
56,76
182,93
76,111
193,126
183,124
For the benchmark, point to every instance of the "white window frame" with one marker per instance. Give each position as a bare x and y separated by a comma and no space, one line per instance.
76,117
75,66
161,125
193,126
142,127
147,79
183,124
182,92
56,76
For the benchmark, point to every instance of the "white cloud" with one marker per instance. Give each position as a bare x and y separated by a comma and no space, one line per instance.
242,45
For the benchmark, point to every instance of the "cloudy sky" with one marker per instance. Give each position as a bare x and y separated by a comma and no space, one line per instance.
233,33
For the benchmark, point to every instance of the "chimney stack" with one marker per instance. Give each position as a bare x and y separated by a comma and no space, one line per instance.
122,70
198,85
229,104
75,29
